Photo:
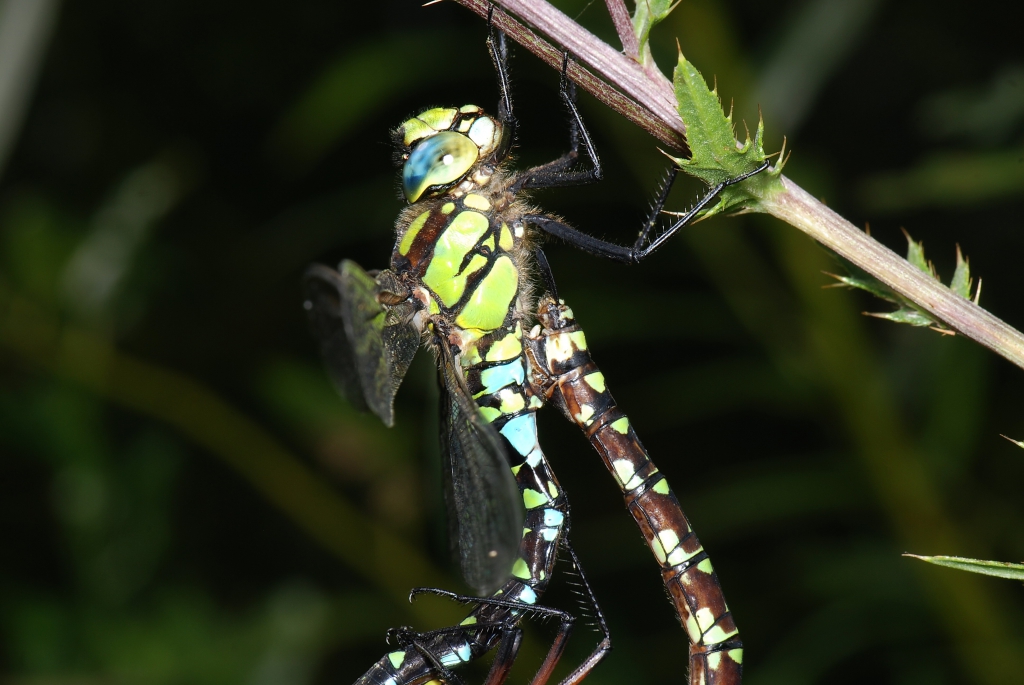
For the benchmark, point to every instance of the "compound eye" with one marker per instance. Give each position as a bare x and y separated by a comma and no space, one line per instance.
438,160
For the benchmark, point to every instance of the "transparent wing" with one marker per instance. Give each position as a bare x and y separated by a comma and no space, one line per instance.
366,347
485,508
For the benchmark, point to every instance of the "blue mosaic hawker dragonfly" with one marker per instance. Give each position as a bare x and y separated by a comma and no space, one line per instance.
461,283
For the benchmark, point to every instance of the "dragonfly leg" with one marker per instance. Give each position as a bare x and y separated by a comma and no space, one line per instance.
497,46
406,637
536,609
545,272
509,646
644,244
605,645
508,650
558,173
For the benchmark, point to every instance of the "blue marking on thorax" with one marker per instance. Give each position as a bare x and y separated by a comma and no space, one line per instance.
497,377
521,432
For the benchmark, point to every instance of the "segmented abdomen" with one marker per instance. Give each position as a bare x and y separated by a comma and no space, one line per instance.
497,379
579,388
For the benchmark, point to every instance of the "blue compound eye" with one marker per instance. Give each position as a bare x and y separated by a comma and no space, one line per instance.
438,160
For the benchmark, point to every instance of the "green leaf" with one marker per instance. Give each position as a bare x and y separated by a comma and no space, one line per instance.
904,315
961,283
908,312
647,15
1000,569
716,156
915,255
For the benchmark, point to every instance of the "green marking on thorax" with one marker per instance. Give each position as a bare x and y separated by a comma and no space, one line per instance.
410,233
505,241
490,301
461,235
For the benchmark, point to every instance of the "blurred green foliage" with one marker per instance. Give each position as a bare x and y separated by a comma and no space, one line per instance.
183,499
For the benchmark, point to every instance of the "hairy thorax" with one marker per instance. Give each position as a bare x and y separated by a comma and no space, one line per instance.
464,256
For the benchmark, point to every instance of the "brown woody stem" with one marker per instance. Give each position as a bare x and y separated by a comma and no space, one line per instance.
648,100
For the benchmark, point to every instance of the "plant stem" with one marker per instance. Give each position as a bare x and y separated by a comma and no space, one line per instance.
624,27
798,208
650,102
611,77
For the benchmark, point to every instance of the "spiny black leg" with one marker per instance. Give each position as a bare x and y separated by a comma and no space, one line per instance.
505,656
555,174
689,216
633,255
406,638
580,240
545,272
497,46
605,645
657,207
494,601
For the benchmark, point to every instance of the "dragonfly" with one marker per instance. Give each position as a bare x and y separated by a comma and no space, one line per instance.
461,282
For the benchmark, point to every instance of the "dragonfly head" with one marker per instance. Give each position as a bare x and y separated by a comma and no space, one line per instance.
438,147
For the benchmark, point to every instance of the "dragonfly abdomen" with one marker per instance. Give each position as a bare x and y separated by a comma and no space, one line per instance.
576,384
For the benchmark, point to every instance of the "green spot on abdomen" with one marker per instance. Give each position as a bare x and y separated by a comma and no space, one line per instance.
533,499
521,570
490,301
490,413
621,425
596,381
509,347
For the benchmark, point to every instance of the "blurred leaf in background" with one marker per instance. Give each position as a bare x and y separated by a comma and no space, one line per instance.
184,499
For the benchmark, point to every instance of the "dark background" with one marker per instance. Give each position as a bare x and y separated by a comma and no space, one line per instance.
183,498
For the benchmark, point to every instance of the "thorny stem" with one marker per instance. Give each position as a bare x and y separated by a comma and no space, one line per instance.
647,99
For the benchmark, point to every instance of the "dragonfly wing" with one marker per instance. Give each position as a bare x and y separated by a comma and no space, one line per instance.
485,508
367,352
